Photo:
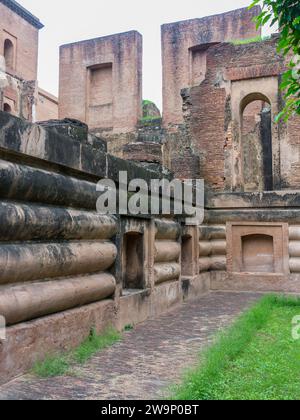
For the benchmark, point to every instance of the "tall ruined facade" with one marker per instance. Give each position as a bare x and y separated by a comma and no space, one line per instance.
250,164
19,31
20,94
66,269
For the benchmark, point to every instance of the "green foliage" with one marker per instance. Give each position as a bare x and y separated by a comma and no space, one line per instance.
147,102
149,121
95,343
128,328
61,365
255,359
287,14
52,366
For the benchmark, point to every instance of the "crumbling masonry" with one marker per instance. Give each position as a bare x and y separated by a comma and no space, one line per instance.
64,268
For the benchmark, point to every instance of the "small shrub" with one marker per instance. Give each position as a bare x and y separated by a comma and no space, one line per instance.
128,328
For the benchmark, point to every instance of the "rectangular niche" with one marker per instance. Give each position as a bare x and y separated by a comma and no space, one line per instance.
258,248
199,65
258,253
187,256
198,62
134,261
100,96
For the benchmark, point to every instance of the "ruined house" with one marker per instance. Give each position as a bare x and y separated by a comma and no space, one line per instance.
66,269
20,94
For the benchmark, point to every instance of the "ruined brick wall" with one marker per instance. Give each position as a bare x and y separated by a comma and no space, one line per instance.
47,106
208,115
101,82
236,76
18,97
184,47
19,35
24,37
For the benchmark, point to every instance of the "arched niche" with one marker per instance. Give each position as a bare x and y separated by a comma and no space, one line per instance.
243,94
258,253
256,142
7,108
9,54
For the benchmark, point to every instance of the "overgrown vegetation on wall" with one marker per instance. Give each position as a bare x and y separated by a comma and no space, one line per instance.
151,113
249,40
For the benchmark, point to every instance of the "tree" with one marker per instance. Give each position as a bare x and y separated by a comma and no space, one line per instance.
286,13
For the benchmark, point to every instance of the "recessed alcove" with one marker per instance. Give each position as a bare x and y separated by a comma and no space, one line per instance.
187,256
9,54
134,261
257,248
258,254
100,96
7,108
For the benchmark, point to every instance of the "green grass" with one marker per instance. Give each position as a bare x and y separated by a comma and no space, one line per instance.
62,364
94,344
52,366
255,359
249,40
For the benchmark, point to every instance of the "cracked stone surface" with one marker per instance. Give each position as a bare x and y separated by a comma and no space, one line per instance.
148,359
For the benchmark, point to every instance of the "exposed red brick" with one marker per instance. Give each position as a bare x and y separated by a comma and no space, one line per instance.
178,41
143,152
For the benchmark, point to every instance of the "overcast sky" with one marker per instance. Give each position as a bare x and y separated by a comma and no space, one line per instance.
69,21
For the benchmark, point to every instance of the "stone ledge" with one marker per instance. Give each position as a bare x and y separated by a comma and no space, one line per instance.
248,200
33,142
241,282
30,342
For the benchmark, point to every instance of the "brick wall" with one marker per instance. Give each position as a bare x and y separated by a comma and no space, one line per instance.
24,38
18,97
181,42
47,106
101,82
212,117
207,131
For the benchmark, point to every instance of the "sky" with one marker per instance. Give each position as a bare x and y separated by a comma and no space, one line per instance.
70,21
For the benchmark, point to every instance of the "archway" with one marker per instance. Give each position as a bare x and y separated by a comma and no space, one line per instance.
9,54
7,108
256,131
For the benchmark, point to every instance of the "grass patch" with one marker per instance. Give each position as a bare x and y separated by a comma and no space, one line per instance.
255,359
249,40
95,343
51,367
62,364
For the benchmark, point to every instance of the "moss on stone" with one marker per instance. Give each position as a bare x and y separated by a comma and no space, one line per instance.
249,40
